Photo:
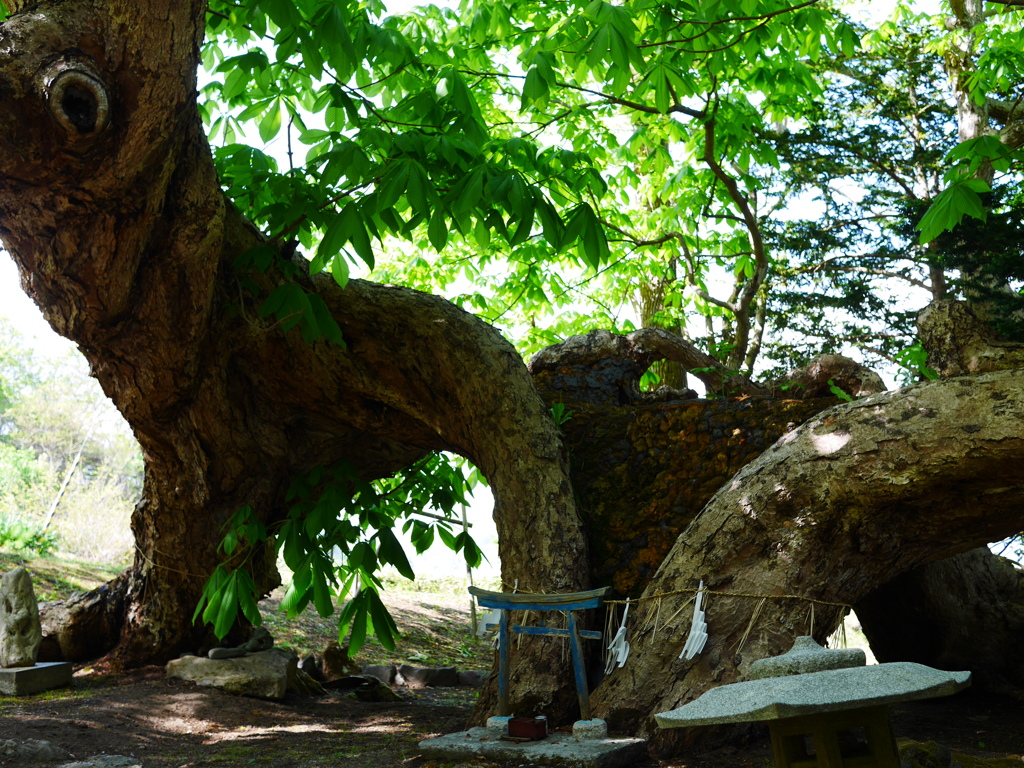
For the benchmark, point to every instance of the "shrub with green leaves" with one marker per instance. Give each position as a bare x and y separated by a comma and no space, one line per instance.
19,535
337,535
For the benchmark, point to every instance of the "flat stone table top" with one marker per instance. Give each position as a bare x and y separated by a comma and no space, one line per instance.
776,698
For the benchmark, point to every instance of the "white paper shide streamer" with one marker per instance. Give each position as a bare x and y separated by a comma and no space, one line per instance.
698,636
618,648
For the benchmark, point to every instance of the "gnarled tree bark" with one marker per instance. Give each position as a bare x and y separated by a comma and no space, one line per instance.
858,493
112,210
966,612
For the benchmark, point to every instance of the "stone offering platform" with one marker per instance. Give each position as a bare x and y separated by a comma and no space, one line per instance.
562,749
24,681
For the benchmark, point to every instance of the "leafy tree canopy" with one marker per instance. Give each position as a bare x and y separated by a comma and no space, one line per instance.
525,157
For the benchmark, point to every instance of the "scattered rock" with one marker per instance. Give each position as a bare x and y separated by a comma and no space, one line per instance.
419,677
105,761
363,687
927,754
225,653
390,675
347,683
261,640
596,729
264,674
374,690
305,685
439,677
32,750
471,678
20,631
336,662
386,673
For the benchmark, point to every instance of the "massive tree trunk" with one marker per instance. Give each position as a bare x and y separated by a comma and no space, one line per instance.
112,210
644,465
860,492
866,492
966,612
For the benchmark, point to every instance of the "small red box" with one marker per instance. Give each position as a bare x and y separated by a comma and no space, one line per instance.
532,728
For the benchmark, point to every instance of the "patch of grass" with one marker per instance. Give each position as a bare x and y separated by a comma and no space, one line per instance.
393,582
56,578
434,626
70,693
432,614
244,754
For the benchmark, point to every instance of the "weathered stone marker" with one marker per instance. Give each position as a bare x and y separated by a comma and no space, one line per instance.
824,708
20,637
20,631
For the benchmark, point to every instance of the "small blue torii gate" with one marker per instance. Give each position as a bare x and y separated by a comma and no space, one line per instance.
519,601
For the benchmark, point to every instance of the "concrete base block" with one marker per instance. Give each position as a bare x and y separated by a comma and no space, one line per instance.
558,748
590,729
24,681
498,726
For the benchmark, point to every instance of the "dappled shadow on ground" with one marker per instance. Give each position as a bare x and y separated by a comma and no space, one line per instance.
172,724
168,724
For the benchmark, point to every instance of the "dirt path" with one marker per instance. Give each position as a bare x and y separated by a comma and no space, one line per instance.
171,724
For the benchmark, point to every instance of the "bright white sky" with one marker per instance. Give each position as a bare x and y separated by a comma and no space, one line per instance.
24,315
